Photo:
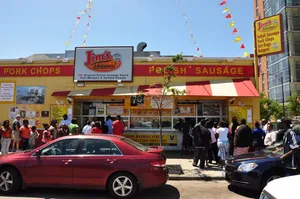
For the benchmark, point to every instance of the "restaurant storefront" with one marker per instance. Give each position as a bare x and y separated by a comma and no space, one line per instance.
109,81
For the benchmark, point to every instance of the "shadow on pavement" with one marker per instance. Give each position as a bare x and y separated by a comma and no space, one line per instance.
244,192
165,192
178,155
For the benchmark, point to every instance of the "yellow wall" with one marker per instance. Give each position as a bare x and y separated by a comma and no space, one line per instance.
53,84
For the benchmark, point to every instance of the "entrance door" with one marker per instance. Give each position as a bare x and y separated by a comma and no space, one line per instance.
54,166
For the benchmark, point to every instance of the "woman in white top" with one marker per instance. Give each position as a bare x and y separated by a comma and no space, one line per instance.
223,142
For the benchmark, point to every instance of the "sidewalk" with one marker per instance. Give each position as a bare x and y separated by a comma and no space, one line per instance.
181,168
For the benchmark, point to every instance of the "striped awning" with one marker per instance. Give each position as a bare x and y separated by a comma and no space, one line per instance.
222,88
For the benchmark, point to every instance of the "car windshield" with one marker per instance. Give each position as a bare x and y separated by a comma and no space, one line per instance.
276,148
135,144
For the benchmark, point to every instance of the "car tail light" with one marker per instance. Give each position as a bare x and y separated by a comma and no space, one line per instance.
161,163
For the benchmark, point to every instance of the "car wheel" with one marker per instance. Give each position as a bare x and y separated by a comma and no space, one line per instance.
268,177
10,180
122,185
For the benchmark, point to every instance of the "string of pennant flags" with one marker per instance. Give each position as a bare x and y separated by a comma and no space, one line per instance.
232,25
190,30
87,11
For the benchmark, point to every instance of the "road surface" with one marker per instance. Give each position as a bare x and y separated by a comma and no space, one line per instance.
173,190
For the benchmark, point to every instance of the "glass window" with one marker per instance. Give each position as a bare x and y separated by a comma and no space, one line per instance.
211,109
63,147
99,147
135,144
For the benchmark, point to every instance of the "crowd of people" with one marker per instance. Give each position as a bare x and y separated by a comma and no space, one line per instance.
218,141
16,133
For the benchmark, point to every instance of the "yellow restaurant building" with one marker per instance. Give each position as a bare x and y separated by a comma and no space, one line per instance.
101,81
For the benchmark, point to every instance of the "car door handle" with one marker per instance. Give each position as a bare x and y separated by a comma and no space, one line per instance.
111,161
66,161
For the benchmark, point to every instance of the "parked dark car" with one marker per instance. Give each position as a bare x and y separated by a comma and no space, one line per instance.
255,170
86,161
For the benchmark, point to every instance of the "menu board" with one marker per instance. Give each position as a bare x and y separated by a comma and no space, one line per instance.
114,110
167,101
7,92
149,112
100,109
185,110
241,112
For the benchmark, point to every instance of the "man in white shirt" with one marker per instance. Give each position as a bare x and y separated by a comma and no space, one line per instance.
87,128
271,135
264,125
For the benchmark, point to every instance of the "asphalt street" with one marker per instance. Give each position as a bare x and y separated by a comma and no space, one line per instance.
173,190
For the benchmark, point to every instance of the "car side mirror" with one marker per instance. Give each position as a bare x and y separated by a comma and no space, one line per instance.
38,153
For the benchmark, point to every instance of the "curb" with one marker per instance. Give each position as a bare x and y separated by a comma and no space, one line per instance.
192,178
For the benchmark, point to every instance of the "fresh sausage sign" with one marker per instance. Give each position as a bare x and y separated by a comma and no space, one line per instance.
103,64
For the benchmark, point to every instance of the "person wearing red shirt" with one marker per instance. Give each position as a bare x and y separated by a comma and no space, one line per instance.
96,129
25,134
6,132
118,126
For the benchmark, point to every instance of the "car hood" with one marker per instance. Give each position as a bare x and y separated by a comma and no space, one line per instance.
256,156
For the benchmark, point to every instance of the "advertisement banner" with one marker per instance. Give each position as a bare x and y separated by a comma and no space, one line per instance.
103,64
241,112
7,92
153,139
268,34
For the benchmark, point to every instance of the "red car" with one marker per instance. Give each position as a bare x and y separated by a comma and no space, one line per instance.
86,161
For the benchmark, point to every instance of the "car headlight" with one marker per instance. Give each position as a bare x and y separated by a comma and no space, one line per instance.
247,167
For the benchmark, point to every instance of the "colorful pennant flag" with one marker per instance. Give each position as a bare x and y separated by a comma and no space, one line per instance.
242,46
88,23
223,3
234,31
231,24
228,16
246,54
226,10
238,39
189,29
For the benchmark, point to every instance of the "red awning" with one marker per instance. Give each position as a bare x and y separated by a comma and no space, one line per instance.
224,88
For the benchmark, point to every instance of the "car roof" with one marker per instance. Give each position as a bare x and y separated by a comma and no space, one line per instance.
290,185
94,136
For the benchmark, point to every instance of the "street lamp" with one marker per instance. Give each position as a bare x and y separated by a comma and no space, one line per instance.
282,91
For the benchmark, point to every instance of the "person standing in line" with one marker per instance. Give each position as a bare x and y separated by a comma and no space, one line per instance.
16,133
63,131
186,127
213,151
65,120
242,139
258,136
271,136
87,128
25,134
202,139
233,128
223,142
73,127
109,123
46,134
33,136
6,132
53,127
264,124
118,126
97,129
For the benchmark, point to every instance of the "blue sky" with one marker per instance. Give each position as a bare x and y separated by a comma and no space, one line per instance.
43,26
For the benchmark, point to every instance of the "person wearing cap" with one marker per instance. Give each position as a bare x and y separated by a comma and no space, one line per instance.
16,134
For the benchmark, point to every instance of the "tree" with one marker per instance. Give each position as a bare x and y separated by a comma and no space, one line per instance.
163,99
293,105
269,108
